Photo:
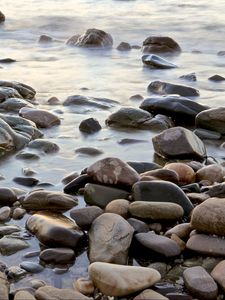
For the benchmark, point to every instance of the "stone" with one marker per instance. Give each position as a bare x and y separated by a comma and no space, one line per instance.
119,207
90,125
31,267
209,217
189,77
207,134
26,181
182,110
57,255
123,46
216,78
5,212
161,191
217,190
14,104
186,174
48,200
53,101
200,283
113,171
117,280
161,267
142,167
15,273
156,62
27,156
18,213
24,295
73,40
76,184
136,97
213,173
128,141
44,145
37,283
54,230
139,226
221,53
4,284
10,245
69,177
50,292
156,210
7,60
218,274
109,239
85,216
95,38
212,119
42,118
166,88
45,39
207,244
8,229
178,142
160,44
91,151
84,286
150,295
159,244
163,174
181,230
2,17
23,90
95,194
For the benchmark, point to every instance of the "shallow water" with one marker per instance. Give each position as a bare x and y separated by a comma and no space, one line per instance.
59,70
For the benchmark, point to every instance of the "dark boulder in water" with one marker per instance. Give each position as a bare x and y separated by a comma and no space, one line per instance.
160,44
216,78
157,62
189,77
124,46
2,17
95,38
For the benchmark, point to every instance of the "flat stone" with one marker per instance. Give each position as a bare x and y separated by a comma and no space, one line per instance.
161,191
157,62
14,104
178,142
160,44
50,292
212,119
156,210
200,283
7,60
26,181
189,77
142,167
44,145
109,239
31,267
218,274
205,134
181,230
117,280
162,174
158,243
85,216
8,229
10,245
54,229
25,91
57,255
92,151
139,226
150,295
24,295
216,78
79,101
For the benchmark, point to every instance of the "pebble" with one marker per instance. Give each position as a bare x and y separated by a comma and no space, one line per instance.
150,295
160,44
5,212
139,226
18,213
185,173
57,255
31,267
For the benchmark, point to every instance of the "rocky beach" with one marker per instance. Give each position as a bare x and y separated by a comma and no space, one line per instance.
112,171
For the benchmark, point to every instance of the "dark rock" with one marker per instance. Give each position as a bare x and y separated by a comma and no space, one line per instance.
161,191
45,39
31,267
7,60
95,38
139,226
27,156
50,292
73,40
212,119
7,196
181,230
85,216
57,255
88,151
2,17
207,134
178,296
44,145
137,47
159,44
142,167
10,245
14,104
216,78
166,88
124,46
136,97
53,101
90,125
156,62
74,185
26,181
221,53
68,178
189,77
128,141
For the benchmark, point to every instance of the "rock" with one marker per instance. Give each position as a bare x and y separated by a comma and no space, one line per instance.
216,78
2,17
24,295
8,229
138,225
156,210
45,39
31,267
95,38
161,191
181,230
161,267
206,244
119,207
221,53
90,125
136,97
109,239
185,173
85,216
113,171
189,77
10,245
54,230
50,292
166,88
200,283
14,104
84,286
209,217
159,244
5,212
157,62
92,151
150,295
26,181
79,101
76,184
23,90
123,46
100,195
212,119
57,255
15,272
53,101
117,280
48,200
18,213
162,174
128,141
69,177
44,145
4,284
7,196
217,190
73,40
36,283
160,44
27,156
207,134
7,60
218,274
42,118
178,142
213,173
142,167
182,110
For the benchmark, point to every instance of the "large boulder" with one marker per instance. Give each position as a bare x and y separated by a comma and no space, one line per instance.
160,44
182,110
117,280
212,119
109,239
95,38
178,142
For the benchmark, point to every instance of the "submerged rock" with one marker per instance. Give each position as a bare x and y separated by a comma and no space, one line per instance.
216,78
166,88
95,38
22,90
189,77
160,44
14,104
124,46
44,145
157,62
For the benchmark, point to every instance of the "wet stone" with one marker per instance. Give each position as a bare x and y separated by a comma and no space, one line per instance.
45,39
128,141
43,145
90,125
69,177
85,216
142,167
2,17
7,60
10,245
123,46
157,62
160,44
18,213
91,151
95,38
50,292
119,207
136,97
212,119
15,272
139,226
73,186
26,181
216,78
57,255
27,156
189,77
207,134
5,212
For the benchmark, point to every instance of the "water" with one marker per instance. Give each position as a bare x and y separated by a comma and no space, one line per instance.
59,70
